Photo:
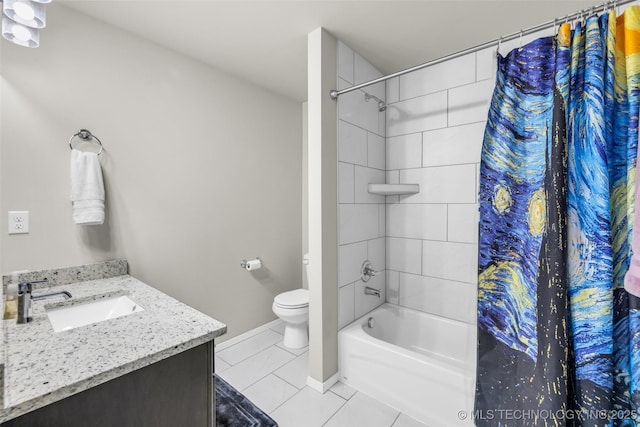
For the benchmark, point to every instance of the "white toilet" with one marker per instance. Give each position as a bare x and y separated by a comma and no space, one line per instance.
293,308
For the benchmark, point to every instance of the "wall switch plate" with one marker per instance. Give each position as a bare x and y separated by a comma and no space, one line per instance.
18,222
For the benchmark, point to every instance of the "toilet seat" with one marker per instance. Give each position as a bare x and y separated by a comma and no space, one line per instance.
297,298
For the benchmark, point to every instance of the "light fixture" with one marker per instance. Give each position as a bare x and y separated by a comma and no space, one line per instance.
22,20
20,34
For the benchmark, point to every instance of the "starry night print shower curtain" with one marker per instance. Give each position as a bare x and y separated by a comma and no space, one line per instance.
558,336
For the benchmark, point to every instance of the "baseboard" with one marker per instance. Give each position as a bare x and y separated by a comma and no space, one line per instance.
322,387
248,334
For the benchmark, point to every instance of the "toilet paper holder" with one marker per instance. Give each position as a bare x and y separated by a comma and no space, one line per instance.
252,264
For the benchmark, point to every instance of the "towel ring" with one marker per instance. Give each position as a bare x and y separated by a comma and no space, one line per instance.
86,135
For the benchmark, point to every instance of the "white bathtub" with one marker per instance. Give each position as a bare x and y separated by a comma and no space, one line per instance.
420,364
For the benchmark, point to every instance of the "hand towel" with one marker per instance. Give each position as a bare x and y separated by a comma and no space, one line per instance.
87,188
632,278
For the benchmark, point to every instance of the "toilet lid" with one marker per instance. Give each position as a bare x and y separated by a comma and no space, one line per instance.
293,299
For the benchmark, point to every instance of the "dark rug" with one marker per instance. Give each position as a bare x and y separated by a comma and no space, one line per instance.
233,409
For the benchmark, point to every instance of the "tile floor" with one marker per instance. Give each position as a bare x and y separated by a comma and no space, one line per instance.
274,378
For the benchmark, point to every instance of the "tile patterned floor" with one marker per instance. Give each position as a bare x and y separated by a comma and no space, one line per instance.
274,378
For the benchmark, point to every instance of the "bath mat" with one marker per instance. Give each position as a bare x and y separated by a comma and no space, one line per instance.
233,409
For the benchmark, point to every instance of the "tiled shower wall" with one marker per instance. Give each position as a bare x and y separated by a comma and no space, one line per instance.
361,216
432,135
435,125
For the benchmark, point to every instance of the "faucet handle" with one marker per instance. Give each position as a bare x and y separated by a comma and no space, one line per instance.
24,287
367,271
28,286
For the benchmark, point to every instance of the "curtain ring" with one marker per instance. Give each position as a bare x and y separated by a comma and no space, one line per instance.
555,26
499,45
521,31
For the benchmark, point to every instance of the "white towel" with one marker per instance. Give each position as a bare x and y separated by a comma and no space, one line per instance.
87,188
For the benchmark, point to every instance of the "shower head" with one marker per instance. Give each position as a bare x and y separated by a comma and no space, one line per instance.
381,104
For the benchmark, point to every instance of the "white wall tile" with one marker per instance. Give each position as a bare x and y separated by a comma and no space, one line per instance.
393,177
366,303
404,151
417,221
343,84
382,123
444,184
404,255
346,305
470,103
345,62
354,109
452,73
358,222
417,114
352,144
350,259
486,63
376,250
453,146
451,261
453,300
376,151
393,90
462,223
364,177
364,72
346,183
393,286
382,220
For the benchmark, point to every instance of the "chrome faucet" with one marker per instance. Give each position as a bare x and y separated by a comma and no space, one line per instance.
25,298
367,271
371,291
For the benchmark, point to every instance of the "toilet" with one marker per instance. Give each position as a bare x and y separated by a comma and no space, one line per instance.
293,308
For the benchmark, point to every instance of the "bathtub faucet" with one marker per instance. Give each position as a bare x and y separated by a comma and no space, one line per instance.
371,291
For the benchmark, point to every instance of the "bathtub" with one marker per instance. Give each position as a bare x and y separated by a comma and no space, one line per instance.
420,364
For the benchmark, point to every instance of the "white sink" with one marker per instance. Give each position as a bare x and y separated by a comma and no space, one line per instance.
65,318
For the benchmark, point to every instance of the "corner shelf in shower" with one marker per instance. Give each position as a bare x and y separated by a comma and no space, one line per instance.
394,189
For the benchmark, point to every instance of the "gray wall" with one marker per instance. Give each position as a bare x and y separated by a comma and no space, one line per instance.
201,169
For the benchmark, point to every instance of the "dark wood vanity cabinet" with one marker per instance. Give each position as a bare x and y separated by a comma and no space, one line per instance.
177,391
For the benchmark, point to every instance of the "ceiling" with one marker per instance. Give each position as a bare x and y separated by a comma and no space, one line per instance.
265,42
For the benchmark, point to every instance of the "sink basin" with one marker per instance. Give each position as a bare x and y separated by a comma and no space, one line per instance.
65,318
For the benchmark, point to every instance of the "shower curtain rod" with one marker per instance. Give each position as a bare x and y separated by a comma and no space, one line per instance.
334,94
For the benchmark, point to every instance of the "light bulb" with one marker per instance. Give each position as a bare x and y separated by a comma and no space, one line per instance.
24,11
21,32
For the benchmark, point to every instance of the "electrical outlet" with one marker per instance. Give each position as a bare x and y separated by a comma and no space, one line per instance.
18,222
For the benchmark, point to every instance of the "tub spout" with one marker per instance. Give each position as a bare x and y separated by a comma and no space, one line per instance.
371,291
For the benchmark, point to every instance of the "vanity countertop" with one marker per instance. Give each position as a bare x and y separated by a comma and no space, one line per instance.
42,366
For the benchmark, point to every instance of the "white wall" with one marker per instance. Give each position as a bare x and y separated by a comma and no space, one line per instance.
361,161
323,216
201,169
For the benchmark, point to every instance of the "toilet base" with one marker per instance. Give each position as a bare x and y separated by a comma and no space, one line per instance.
296,335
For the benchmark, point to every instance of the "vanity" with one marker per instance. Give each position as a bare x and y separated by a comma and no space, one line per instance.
150,365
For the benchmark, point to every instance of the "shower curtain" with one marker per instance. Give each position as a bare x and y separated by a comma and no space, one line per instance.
558,336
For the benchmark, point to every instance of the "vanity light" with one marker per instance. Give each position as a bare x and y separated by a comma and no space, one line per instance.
22,20
20,34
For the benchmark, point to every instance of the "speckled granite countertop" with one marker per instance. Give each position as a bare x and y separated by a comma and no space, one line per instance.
42,366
